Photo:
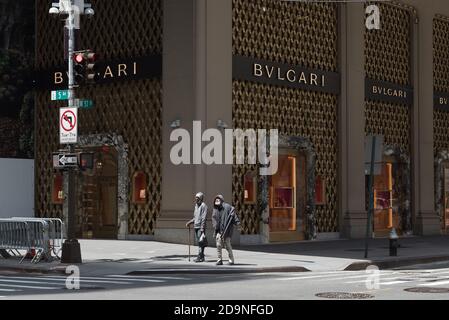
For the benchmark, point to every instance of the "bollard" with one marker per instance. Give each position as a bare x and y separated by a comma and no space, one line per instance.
394,243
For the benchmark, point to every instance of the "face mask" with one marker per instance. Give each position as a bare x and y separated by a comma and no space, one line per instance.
218,203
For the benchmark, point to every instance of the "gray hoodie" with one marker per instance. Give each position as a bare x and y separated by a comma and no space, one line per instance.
199,216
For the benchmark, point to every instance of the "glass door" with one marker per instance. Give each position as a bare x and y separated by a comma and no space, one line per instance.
386,211
287,198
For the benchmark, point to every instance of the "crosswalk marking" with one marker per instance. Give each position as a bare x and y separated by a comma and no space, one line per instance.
85,280
434,284
28,287
22,281
386,277
325,276
148,279
8,290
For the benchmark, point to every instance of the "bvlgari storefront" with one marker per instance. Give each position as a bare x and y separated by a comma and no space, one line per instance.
313,71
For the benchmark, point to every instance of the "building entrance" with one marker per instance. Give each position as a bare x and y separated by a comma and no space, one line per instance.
388,197
287,194
97,196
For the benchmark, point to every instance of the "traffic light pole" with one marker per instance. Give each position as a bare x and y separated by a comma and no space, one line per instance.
71,250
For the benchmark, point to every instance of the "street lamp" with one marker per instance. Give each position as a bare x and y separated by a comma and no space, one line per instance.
70,11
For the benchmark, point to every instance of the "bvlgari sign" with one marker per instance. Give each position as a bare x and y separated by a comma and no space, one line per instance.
441,101
280,74
107,71
388,92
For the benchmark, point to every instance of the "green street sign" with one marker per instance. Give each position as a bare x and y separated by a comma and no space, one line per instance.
85,104
60,95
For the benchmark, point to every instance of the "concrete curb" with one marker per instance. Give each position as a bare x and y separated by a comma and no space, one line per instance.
219,270
394,263
57,270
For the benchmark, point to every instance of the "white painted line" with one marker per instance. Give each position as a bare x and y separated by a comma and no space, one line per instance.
366,275
148,277
391,283
434,284
338,276
29,287
82,280
380,283
154,278
9,290
23,281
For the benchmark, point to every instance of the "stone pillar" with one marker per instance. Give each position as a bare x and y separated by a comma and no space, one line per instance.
352,121
197,85
179,103
426,220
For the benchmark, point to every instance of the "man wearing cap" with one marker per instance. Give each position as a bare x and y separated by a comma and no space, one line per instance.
199,224
224,217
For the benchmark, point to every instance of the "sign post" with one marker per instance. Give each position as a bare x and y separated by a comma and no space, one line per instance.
373,151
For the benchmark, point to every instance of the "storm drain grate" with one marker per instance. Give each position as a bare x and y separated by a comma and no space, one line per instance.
428,290
344,295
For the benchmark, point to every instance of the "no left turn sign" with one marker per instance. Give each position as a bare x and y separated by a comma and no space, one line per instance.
68,126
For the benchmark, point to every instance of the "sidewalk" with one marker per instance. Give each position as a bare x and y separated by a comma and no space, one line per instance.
150,257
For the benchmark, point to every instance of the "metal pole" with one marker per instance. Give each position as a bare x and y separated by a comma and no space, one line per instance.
371,196
71,251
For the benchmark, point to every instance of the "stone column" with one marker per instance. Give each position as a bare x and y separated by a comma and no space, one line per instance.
197,85
426,220
179,103
353,216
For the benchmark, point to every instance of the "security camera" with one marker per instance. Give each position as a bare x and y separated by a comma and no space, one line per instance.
89,12
54,12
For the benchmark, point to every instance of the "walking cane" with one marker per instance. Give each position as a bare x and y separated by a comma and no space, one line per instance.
189,243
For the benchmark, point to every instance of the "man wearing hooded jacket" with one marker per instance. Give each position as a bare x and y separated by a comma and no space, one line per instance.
199,224
224,217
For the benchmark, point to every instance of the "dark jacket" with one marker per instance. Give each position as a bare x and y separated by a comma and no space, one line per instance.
224,220
199,217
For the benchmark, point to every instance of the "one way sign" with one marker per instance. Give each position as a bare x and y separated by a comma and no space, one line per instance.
64,160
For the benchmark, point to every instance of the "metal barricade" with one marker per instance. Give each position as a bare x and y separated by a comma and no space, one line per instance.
15,235
41,236
55,233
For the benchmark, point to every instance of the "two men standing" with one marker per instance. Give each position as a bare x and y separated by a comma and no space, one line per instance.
224,217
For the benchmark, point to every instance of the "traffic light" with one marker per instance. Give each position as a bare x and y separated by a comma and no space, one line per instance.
85,67
86,160
79,68
91,70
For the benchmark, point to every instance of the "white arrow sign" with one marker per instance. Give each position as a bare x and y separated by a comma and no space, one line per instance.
68,159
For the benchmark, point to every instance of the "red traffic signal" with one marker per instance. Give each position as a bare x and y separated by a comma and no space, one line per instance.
79,58
85,68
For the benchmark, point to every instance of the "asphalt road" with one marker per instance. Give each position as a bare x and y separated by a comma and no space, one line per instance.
429,281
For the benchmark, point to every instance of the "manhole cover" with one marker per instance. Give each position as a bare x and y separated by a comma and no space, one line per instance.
344,295
428,290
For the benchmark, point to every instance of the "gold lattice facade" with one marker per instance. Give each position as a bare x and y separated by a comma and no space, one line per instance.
296,34
131,109
312,70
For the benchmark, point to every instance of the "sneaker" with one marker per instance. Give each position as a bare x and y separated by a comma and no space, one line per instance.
199,259
231,263
219,263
